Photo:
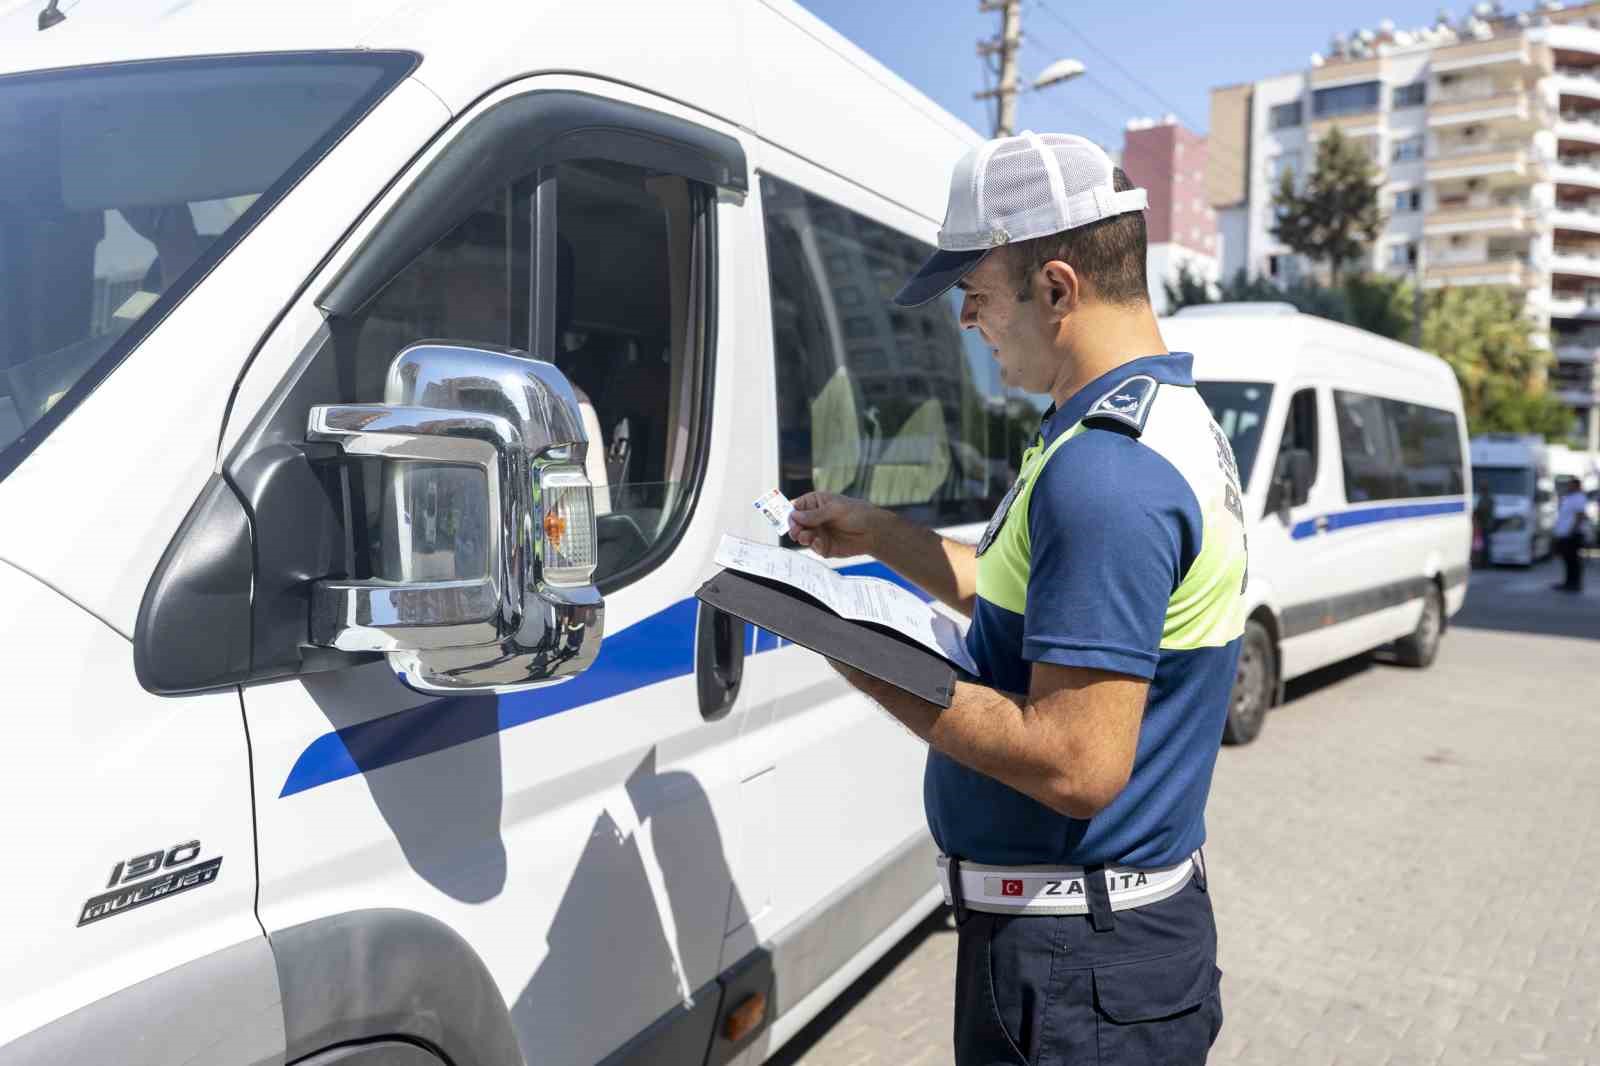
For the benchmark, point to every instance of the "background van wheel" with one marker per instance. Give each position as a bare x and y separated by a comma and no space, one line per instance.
1255,685
1422,645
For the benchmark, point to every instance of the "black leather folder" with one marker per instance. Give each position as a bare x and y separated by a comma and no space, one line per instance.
796,617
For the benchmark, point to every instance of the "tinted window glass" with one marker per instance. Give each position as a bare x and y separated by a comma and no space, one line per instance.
1285,115
1240,408
889,404
1407,149
1367,448
1345,99
124,184
1413,95
626,333
1393,449
1503,480
1430,449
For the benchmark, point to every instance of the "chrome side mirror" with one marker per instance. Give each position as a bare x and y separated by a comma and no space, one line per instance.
487,538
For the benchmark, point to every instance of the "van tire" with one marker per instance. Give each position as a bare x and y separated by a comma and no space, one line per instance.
1255,685
1422,646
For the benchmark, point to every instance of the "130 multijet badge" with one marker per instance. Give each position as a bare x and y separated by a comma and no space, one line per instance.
175,871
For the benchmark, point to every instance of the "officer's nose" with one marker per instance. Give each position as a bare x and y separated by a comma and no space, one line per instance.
969,311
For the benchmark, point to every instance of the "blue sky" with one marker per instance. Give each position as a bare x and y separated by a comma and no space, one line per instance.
1172,52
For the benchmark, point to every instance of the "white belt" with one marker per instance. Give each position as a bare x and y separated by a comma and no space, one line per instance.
1060,889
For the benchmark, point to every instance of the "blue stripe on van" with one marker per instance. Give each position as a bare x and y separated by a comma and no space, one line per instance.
1366,516
655,649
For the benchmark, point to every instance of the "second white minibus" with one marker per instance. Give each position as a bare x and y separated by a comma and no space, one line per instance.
1351,448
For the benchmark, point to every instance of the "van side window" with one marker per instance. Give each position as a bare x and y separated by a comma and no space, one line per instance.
631,256
1367,448
1430,449
885,403
1394,450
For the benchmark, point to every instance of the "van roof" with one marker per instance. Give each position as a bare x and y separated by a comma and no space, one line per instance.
855,117
1275,343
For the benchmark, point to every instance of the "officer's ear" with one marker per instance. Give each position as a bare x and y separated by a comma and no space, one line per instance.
1061,286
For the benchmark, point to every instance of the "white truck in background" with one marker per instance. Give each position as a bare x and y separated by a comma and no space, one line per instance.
1514,470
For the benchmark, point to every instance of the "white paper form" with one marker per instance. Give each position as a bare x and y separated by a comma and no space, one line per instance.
860,599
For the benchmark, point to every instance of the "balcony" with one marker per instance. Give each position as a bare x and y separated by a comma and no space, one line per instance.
1487,219
1576,170
1576,262
1581,126
1509,51
1503,163
1569,304
1577,81
1513,271
1505,107
1580,219
1359,125
1580,347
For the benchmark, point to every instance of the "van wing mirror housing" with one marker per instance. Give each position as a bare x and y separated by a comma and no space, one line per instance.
1291,480
484,555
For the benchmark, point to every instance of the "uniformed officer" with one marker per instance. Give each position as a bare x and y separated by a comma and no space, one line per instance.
1066,787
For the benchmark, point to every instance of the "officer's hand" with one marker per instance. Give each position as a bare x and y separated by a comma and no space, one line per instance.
834,526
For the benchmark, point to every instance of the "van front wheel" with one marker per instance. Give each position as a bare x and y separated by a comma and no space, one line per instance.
1422,645
1254,685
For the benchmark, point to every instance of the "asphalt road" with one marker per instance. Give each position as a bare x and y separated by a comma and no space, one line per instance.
1404,863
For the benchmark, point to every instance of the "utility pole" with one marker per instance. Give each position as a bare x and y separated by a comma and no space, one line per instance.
1006,47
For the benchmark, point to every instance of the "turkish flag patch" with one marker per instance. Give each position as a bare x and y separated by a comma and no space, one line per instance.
1010,888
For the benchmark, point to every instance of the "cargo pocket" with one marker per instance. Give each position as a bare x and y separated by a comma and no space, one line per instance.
1163,1011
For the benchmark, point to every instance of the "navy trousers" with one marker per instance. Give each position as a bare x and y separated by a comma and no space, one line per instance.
1053,991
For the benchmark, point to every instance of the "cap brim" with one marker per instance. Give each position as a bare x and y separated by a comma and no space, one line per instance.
942,270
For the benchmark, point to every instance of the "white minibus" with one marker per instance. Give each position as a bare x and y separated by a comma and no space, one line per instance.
1514,470
1351,448
295,543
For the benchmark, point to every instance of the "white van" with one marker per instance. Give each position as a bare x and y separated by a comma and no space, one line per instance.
1350,448
290,546
1514,469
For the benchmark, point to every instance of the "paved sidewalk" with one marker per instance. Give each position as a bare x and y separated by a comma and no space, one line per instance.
1406,868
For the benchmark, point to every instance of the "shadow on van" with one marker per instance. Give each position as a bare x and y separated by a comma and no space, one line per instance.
610,952
445,809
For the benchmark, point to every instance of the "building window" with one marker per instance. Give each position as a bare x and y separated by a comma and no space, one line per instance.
1403,254
1284,116
1279,164
1408,149
1413,95
1408,200
1345,100
1283,268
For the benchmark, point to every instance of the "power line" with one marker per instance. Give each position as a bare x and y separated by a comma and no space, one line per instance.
1103,54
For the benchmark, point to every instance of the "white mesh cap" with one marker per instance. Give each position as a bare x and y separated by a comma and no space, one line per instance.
1015,189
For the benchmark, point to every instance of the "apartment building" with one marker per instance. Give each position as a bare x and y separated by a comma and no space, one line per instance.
1486,135
1169,162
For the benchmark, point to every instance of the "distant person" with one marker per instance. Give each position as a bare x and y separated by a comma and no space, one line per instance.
1482,525
1066,785
1570,520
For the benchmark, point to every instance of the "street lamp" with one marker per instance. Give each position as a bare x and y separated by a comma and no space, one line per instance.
1056,73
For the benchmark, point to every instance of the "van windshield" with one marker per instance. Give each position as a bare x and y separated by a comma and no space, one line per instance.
125,184
1503,480
1240,408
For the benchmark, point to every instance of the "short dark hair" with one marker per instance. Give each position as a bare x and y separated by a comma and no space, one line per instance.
1108,254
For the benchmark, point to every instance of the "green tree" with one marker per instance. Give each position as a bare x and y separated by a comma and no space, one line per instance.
1334,218
1487,338
1188,289
1380,304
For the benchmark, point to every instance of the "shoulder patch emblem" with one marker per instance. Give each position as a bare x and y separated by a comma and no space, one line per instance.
1127,404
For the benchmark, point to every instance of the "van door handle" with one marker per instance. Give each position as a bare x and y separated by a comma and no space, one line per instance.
719,660
1320,523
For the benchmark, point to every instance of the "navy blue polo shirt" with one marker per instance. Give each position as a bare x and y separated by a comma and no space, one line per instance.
1122,548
